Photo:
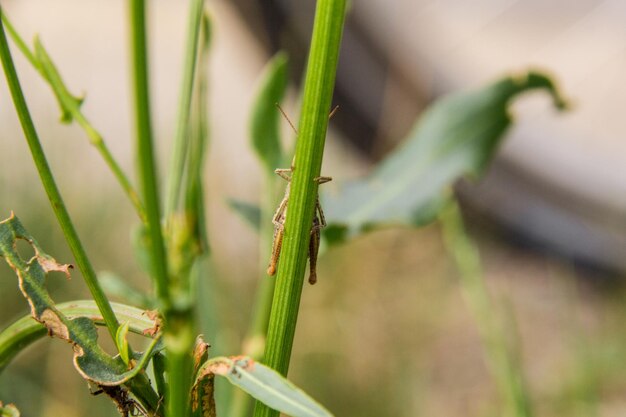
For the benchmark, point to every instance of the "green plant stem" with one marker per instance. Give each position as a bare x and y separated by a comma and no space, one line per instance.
185,206
145,151
21,45
95,138
181,140
98,142
175,328
501,356
139,386
318,91
49,184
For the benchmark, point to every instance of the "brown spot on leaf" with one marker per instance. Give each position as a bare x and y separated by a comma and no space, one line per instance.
244,362
55,326
158,322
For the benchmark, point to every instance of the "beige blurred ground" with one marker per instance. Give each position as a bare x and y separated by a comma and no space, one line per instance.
385,331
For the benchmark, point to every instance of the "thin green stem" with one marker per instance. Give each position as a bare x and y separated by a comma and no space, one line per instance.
49,73
19,42
51,188
318,91
147,165
502,357
181,140
139,386
98,142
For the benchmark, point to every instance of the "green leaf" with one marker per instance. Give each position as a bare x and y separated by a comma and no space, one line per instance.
40,59
70,104
265,126
264,384
9,410
89,359
248,212
455,137
25,331
122,342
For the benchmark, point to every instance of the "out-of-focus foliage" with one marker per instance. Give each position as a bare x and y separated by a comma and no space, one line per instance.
456,136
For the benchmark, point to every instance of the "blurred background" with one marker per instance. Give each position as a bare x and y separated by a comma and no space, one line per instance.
385,331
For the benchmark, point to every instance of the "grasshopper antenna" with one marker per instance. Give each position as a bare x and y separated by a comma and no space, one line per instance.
287,117
330,116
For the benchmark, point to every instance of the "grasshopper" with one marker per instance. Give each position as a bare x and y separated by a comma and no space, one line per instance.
318,223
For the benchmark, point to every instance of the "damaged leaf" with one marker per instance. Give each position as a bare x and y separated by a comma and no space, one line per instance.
26,330
203,397
264,384
202,393
89,359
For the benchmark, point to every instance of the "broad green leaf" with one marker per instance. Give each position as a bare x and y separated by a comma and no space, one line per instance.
21,333
455,137
89,359
70,105
9,410
265,126
249,212
264,384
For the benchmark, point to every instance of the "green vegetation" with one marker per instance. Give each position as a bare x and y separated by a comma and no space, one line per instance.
175,374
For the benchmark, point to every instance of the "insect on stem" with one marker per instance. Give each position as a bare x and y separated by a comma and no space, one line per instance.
318,222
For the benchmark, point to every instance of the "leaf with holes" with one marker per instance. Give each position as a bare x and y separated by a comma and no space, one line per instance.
89,359
26,330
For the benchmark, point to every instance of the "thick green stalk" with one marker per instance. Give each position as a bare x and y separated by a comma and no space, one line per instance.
501,356
51,188
318,92
181,140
